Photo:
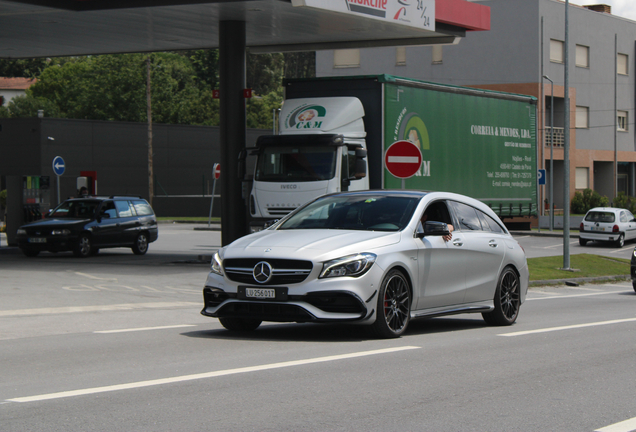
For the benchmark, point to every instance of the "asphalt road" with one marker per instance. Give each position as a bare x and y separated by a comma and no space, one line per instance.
115,342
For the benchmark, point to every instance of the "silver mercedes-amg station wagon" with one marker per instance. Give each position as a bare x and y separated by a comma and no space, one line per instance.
379,258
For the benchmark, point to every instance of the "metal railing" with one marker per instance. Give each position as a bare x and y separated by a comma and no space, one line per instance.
559,136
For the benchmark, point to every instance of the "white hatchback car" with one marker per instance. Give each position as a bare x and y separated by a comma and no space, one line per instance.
607,224
378,258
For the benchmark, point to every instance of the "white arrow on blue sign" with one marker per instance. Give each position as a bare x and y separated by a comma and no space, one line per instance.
58,165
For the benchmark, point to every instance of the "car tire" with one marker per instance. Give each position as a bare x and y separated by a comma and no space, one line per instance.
394,306
30,252
83,248
582,242
507,300
140,247
634,285
240,324
621,241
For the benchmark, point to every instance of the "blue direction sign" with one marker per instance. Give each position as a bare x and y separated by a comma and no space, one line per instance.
541,176
58,165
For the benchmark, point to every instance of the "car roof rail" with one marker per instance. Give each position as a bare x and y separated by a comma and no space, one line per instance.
125,196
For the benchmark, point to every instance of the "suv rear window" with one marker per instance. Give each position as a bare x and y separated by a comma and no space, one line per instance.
596,216
142,208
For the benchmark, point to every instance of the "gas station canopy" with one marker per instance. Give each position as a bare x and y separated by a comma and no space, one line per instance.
48,28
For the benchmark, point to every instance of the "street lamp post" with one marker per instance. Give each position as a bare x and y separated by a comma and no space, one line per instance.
551,152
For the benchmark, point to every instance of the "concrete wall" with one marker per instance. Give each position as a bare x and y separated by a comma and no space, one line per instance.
118,152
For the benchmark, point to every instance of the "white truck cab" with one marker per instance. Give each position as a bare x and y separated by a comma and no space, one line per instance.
321,149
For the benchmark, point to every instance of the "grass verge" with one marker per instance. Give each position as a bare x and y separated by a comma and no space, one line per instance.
586,265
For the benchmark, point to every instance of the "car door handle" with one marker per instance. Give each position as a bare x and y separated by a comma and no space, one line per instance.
458,242
492,243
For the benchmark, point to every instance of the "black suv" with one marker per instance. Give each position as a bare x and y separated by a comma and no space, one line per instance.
85,225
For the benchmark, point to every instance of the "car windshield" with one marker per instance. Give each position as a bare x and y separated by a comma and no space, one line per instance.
355,212
75,209
600,216
296,164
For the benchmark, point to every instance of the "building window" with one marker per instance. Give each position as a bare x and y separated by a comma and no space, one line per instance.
621,65
582,56
556,51
400,56
621,120
582,176
346,58
582,114
437,54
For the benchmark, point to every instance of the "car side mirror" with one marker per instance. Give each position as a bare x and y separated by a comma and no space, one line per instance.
433,228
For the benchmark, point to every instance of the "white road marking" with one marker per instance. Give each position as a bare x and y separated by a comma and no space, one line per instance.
102,308
95,277
140,384
144,329
624,426
576,295
570,327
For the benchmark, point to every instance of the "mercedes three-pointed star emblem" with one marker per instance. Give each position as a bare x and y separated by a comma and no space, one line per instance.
262,272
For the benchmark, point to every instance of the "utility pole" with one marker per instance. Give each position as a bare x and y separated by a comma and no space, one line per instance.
149,115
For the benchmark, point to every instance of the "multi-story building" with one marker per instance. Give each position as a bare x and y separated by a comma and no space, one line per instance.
526,44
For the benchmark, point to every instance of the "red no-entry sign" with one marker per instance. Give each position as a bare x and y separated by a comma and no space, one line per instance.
403,159
217,171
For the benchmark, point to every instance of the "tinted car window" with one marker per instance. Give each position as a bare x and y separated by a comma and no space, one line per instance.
492,224
467,216
75,209
600,216
142,208
108,209
123,208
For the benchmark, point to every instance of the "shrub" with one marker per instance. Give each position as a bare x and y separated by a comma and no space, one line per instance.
582,202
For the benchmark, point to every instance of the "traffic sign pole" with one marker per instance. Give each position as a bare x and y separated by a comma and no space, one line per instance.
216,169
58,168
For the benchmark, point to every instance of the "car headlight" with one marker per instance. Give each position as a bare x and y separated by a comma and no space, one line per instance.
351,265
21,231
61,232
217,264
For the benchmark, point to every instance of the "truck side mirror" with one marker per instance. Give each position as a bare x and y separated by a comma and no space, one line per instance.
241,164
361,165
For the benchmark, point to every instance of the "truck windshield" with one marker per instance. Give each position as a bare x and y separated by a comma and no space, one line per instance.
296,164
373,212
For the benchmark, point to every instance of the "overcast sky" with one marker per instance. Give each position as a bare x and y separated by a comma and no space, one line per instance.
623,8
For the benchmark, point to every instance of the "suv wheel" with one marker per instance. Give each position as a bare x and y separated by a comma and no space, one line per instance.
141,244
83,248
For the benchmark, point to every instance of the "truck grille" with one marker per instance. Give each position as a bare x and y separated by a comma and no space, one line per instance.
280,211
284,272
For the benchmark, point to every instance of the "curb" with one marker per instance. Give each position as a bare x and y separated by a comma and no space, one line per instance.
578,281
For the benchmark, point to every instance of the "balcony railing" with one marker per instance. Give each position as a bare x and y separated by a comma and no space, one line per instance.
559,136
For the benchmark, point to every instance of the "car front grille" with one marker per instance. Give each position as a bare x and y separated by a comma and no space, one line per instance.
266,311
284,272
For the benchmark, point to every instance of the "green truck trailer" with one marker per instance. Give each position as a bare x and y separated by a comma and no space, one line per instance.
386,132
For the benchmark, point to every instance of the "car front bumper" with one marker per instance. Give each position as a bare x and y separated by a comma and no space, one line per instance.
315,300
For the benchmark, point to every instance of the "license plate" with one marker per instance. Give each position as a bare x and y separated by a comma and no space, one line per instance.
598,229
37,240
260,293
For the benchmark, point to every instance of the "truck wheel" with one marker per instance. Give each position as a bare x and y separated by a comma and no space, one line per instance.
239,324
141,244
507,300
394,306
582,242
